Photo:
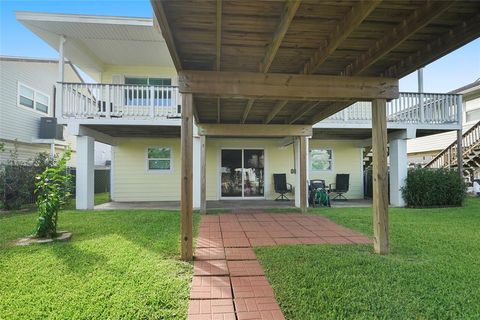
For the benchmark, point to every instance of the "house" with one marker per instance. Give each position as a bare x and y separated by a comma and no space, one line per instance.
198,108
427,150
27,95
143,121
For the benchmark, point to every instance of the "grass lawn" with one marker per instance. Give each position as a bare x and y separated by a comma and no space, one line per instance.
119,264
433,271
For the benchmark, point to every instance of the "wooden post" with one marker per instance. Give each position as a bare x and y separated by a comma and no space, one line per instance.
380,176
460,135
303,174
203,178
186,198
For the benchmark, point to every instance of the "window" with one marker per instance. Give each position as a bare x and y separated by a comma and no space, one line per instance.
321,159
33,99
142,97
159,159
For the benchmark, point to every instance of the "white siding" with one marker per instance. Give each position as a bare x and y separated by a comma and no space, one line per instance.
17,122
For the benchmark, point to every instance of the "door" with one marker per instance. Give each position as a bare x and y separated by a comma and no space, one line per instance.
242,173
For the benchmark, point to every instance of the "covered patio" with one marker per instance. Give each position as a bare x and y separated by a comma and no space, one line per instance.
270,69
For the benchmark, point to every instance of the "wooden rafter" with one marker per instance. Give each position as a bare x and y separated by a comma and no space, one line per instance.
218,35
352,19
218,111
461,34
401,32
247,110
278,107
289,11
306,107
286,18
286,86
162,22
330,110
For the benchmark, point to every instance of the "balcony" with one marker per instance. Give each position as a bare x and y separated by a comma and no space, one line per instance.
117,103
423,110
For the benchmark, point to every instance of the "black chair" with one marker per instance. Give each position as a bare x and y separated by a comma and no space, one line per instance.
341,185
312,189
281,186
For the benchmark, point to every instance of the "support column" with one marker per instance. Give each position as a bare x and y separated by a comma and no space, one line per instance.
203,176
85,175
303,174
460,135
61,77
112,173
186,198
398,171
380,176
296,160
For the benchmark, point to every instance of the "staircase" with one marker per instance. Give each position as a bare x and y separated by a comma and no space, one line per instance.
471,153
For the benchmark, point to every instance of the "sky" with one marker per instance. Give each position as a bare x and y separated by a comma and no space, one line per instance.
454,70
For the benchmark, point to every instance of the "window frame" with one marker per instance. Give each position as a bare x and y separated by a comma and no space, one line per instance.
147,159
331,160
35,100
125,77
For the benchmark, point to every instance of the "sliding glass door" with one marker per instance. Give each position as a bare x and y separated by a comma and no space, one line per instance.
242,173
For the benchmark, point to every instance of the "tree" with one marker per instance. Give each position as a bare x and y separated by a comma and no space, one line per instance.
52,189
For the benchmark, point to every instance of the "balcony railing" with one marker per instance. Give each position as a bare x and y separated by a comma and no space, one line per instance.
94,101
410,108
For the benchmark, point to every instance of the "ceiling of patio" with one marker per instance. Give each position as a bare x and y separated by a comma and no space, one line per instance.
351,38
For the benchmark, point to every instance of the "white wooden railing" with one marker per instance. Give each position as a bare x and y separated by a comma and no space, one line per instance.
414,108
91,101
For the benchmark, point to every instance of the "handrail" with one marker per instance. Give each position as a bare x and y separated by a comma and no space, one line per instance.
115,84
467,142
118,101
418,108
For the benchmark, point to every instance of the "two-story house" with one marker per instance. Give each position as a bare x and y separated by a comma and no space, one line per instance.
135,107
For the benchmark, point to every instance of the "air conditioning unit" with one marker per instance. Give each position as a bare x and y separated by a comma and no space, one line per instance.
49,129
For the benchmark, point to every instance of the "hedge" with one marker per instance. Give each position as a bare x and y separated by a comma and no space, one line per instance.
434,188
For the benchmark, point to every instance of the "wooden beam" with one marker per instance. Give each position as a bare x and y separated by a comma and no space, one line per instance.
254,130
247,110
286,86
380,176
286,18
303,174
162,23
343,29
330,110
401,32
219,35
186,194
203,176
454,38
304,109
218,111
278,107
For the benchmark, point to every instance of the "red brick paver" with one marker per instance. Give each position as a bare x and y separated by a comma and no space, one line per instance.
228,282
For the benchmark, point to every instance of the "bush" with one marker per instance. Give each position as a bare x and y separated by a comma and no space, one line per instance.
53,191
434,188
17,179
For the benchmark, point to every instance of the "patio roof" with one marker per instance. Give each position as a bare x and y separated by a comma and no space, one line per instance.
347,38
96,41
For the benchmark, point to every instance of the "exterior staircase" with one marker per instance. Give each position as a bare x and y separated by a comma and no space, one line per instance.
470,155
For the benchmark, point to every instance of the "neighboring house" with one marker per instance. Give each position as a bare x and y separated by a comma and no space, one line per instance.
136,106
422,150
27,94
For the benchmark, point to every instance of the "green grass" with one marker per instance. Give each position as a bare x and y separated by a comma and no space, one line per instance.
119,264
433,271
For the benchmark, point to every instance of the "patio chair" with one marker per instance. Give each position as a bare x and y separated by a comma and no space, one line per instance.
341,185
281,186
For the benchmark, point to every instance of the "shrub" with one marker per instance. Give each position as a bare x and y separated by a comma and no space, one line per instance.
433,188
17,178
53,191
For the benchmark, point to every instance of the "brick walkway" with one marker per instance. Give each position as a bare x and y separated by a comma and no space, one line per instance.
228,281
